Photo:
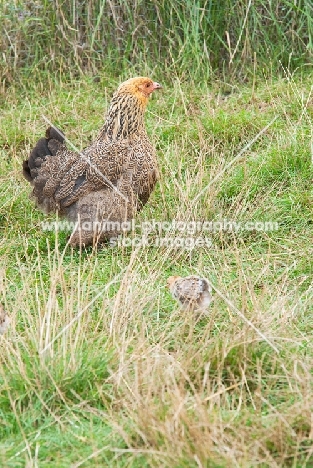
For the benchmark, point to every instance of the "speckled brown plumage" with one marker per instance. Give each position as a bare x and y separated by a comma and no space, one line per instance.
4,320
73,183
192,292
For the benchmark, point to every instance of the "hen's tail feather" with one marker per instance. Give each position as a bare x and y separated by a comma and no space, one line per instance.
47,146
53,133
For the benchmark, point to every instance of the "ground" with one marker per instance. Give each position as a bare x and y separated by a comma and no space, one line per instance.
100,367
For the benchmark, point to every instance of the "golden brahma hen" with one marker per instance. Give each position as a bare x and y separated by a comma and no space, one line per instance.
110,180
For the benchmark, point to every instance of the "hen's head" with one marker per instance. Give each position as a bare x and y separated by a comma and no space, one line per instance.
141,87
125,117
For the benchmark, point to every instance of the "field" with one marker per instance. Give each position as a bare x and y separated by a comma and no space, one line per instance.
100,367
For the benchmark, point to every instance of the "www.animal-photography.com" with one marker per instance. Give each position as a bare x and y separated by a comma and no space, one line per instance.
156,281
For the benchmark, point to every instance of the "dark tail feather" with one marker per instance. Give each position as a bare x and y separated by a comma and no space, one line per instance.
47,146
53,133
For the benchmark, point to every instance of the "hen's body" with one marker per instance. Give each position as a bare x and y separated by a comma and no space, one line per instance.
110,180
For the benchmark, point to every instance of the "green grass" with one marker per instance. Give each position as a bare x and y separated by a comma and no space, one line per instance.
134,382
191,39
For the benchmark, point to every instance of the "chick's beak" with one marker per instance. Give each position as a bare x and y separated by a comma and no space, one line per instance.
157,85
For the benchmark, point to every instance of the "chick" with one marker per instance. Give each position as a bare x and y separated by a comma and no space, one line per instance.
192,292
4,320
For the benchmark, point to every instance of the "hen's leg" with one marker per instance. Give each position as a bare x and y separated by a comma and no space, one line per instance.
99,215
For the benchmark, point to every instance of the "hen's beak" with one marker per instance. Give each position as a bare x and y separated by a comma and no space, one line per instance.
157,85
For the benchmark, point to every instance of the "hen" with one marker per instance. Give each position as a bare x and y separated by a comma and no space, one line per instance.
192,292
108,181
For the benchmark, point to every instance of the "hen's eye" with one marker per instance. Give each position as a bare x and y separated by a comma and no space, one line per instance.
147,85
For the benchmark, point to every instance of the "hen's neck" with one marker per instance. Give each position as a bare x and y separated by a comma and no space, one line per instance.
125,118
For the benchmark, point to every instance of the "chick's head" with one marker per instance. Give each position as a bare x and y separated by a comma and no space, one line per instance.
171,280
